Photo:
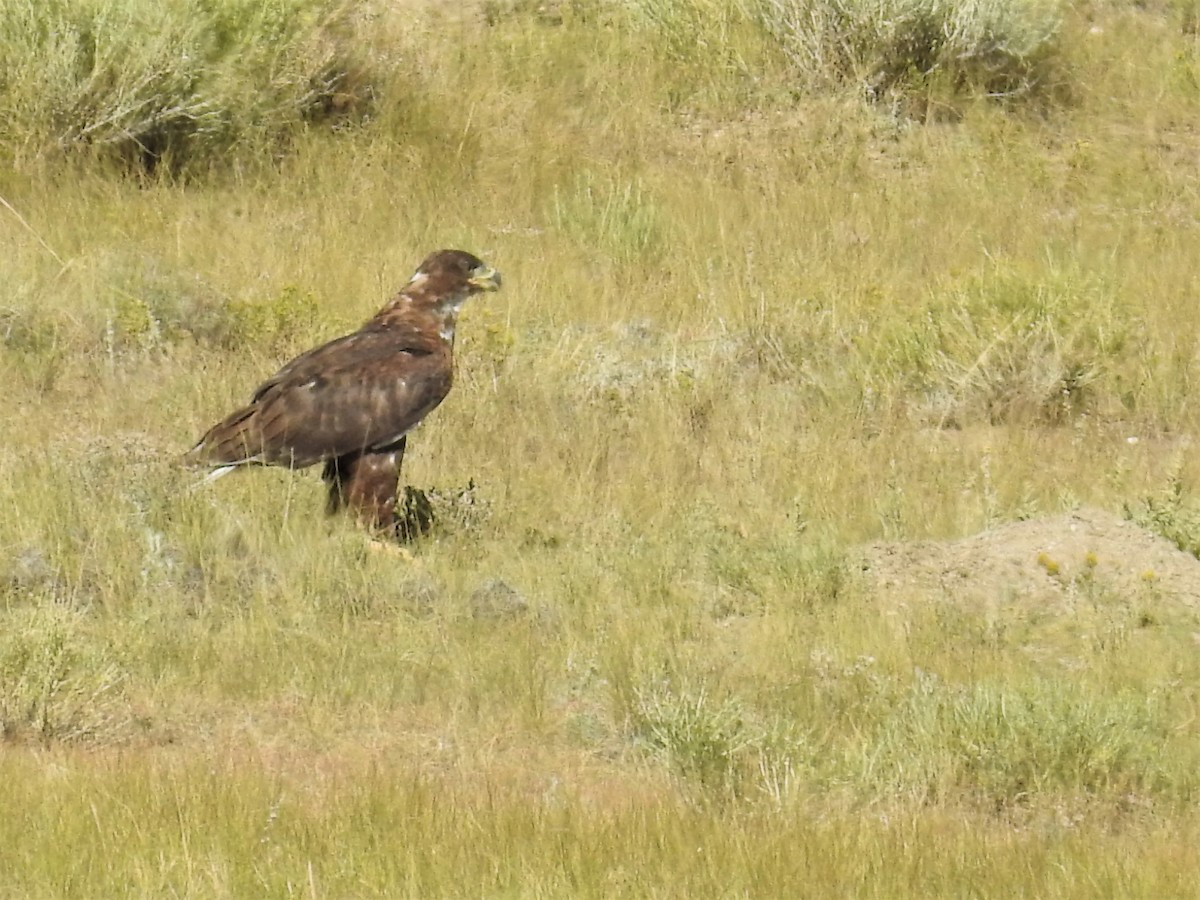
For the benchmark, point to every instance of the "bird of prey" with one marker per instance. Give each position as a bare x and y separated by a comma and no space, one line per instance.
351,403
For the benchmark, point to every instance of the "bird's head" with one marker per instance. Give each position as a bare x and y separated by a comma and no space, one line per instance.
445,280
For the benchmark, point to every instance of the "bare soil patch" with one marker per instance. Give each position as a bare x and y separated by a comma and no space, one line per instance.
1048,560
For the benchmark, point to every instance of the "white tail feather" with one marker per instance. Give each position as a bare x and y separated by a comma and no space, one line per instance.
217,473
213,476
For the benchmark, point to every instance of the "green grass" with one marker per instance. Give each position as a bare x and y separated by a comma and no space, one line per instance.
750,322
317,828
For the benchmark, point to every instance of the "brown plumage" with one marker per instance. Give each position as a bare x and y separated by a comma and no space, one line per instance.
351,402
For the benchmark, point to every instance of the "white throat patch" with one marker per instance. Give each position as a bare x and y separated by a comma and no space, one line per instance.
449,313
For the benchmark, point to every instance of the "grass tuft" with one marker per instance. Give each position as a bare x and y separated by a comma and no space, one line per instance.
57,684
1170,513
993,48
1003,746
182,85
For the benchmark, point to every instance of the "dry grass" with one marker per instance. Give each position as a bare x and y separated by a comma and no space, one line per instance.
742,332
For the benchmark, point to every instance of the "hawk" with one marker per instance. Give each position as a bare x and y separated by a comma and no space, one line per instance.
351,403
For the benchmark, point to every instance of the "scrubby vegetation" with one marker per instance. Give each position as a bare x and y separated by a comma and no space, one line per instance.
782,279
140,82
193,84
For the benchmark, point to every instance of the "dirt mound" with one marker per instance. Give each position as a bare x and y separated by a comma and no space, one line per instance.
1042,560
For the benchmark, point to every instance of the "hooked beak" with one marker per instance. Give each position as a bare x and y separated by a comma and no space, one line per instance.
485,278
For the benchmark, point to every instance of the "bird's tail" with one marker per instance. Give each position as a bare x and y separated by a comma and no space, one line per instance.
212,476
231,442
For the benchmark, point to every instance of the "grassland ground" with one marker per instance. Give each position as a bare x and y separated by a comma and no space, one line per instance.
817,499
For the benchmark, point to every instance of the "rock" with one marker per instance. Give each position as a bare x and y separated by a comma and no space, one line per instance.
419,594
30,571
496,600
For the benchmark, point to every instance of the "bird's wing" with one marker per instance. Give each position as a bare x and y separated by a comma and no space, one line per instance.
361,392
357,349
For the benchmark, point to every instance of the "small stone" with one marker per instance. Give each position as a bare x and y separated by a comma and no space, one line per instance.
30,570
495,600
420,594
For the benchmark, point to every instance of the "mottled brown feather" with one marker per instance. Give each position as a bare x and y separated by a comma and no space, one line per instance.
363,394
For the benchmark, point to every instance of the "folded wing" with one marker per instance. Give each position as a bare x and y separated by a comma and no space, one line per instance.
362,392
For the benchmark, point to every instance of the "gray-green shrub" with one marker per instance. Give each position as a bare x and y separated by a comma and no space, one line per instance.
182,83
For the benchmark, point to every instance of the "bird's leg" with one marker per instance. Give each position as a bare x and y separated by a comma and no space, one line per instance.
336,469
366,484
